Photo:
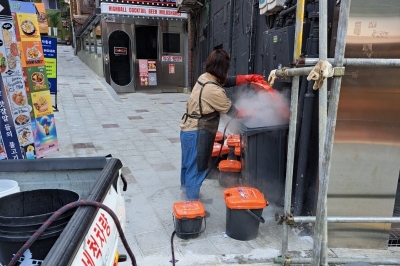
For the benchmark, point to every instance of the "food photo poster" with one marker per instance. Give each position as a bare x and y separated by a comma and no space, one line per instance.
26,101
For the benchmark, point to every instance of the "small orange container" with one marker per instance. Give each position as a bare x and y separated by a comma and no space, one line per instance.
217,148
232,166
238,150
188,209
233,140
188,218
219,136
241,198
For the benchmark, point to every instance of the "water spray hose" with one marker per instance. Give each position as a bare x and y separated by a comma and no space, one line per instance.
64,209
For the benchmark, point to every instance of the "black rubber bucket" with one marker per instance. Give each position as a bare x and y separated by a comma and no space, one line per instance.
21,214
243,224
188,228
228,179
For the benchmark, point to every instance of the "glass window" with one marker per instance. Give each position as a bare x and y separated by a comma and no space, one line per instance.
171,43
98,39
146,42
93,45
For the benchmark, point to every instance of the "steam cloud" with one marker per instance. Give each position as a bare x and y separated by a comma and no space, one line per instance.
267,108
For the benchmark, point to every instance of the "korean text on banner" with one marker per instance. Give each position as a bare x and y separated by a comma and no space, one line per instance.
50,57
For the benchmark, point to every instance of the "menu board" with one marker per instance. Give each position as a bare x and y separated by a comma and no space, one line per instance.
27,124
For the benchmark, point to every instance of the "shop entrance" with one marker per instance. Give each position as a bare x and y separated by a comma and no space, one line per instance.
119,45
118,65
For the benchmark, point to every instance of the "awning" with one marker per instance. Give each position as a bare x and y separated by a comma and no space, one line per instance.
141,11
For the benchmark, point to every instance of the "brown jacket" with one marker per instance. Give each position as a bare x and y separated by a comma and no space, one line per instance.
213,98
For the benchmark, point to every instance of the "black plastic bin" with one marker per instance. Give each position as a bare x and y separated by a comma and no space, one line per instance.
22,213
264,151
188,218
244,207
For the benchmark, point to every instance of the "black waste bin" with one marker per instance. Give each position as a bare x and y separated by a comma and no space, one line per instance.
188,218
229,173
22,213
244,207
264,150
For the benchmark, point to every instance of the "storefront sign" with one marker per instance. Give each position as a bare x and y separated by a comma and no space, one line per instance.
171,68
141,11
171,58
120,50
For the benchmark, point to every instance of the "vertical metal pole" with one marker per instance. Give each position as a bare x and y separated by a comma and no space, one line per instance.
292,124
332,113
323,55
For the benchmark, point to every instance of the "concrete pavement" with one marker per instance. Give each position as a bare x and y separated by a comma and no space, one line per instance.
142,130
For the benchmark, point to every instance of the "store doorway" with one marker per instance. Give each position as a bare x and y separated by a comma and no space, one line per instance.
119,44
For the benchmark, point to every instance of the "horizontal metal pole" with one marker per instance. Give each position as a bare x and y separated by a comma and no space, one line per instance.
289,72
380,62
376,261
311,219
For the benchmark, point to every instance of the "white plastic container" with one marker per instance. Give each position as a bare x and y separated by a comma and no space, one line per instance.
8,187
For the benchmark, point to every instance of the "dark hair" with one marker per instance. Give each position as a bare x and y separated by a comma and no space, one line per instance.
218,63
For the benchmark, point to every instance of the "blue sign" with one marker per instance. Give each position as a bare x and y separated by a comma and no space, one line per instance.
7,127
49,46
22,7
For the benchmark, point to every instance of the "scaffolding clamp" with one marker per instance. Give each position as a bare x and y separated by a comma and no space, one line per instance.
288,219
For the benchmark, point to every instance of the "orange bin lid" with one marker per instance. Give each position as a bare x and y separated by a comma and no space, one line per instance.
219,136
230,166
237,151
233,140
188,209
242,198
217,148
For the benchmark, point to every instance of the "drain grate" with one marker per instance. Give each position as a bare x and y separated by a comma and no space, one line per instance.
394,238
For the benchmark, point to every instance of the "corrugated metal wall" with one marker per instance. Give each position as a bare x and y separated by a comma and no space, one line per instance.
247,31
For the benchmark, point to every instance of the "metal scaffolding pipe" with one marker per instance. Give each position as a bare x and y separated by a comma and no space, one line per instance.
321,228
311,219
362,62
375,261
291,72
319,246
292,124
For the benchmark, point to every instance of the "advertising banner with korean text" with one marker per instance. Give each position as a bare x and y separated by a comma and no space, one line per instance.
50,58
23,71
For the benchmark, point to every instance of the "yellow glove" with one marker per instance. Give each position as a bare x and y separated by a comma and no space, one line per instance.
321,71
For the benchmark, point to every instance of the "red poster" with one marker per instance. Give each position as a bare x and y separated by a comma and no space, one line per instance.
171,68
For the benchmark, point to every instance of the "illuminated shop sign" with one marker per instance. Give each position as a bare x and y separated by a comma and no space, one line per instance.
141,11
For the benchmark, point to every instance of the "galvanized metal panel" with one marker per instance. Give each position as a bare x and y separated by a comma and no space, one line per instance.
366,152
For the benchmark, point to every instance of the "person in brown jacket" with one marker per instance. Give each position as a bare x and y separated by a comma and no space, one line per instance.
199,124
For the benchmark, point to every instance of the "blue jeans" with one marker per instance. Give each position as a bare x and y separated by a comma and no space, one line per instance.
191,177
